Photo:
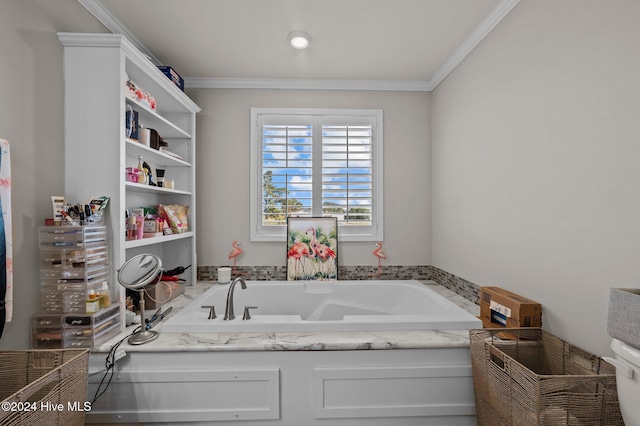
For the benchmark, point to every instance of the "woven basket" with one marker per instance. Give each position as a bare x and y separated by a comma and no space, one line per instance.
35,384
526,376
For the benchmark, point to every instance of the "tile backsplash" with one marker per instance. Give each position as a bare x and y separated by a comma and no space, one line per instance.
464,288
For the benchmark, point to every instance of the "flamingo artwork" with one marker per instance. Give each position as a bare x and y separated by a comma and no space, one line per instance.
323,251
377,252
234,253
312,248
297,252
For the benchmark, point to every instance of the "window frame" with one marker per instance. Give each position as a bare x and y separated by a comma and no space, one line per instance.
259,232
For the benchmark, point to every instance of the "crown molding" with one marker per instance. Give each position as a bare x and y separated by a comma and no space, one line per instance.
488,23
97,9
305,84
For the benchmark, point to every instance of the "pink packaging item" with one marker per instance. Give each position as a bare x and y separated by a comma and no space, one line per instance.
131,174
140,227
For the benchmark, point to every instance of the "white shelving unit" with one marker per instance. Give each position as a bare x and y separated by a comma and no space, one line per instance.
96,68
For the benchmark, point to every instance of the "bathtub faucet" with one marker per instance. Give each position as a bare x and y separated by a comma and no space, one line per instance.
228,312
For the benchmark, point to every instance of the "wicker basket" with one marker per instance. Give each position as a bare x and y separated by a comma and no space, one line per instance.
43,387
526,376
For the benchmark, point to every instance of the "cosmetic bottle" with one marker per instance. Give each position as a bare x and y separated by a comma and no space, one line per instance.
142,173
139,227
93,304
160,176
105,296
131,228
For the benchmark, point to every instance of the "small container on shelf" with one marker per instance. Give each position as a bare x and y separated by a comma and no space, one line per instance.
92,303
131,174
105,296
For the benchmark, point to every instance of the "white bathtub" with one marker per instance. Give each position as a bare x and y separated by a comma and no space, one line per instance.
285,306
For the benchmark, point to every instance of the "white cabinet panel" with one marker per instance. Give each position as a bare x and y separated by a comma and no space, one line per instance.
392,391
191,396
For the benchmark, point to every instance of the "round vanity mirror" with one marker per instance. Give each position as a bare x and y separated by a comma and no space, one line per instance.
135,274
139,271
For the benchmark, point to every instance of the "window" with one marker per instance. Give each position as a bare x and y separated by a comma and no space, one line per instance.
308,163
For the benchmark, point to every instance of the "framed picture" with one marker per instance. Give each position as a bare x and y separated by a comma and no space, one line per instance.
312,248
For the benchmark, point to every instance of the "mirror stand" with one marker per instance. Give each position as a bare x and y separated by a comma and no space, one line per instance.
135,274
144,335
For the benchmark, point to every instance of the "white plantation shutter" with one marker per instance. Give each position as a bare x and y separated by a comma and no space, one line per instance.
287,167
316,163
347,173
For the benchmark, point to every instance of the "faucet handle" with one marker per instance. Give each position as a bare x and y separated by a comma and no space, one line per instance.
247,315
212,311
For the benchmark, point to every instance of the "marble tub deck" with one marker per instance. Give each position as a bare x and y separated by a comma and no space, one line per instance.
296,341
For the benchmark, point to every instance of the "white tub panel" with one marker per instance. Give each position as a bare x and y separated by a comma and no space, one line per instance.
392,391
278,388
190,395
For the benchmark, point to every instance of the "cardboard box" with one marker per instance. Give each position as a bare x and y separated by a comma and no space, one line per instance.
159,294
500,308
173,76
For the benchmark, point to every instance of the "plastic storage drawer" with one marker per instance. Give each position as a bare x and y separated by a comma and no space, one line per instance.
62,301
91,320
91,330
73,258
47,320
46,331
71,236
79,275
86,337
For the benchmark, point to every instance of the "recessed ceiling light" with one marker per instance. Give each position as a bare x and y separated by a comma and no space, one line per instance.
299,39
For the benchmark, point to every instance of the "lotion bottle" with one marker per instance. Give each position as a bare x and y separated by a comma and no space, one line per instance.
93,304
105,296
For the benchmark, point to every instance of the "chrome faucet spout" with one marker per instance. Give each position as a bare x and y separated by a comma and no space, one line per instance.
228,312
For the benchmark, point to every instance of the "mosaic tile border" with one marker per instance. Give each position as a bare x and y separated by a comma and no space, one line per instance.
260,273
462,287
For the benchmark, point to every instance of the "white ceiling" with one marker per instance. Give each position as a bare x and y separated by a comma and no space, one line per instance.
385,44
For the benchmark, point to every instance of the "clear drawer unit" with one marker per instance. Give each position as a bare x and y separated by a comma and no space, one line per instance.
86,331
74,282
54,331
74,264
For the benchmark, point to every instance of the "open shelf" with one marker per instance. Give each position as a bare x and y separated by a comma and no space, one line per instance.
152,119
149,189
157,240
154,156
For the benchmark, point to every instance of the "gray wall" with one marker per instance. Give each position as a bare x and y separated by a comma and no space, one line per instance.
223,173
31,119
536,154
